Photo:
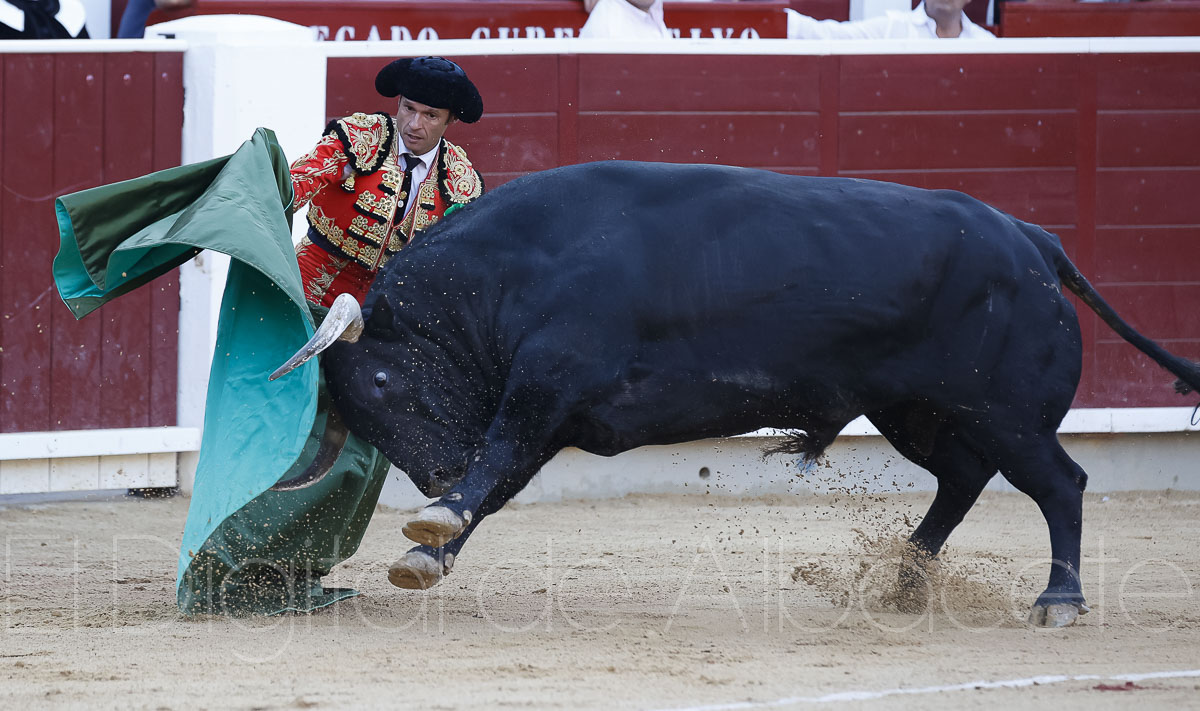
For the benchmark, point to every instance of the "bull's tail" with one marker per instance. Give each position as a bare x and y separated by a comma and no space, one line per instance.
1187,371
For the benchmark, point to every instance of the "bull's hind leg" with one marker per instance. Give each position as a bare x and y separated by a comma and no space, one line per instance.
933,441
1038,466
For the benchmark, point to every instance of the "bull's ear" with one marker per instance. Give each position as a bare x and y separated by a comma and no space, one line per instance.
381,320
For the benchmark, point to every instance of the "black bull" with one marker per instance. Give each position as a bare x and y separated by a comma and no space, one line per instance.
613,305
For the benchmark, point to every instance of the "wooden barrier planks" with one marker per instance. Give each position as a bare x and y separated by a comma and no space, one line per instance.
27,295
1096,148
1147,217
75,382
73,121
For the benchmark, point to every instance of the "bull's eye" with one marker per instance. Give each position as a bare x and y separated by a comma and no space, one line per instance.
381,379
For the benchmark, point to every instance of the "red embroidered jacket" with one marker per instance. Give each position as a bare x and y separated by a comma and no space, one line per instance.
360,217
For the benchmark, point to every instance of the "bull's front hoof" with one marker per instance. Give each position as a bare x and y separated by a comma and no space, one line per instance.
1059,614
435,526
418,570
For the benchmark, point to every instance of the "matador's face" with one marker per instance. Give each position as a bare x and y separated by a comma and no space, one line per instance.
421,126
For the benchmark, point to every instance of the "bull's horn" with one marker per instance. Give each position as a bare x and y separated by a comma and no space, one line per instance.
343,323
331,446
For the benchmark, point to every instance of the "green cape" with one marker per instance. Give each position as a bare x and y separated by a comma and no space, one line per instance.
245,549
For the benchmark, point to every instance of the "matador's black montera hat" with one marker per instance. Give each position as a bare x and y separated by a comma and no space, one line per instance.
433,81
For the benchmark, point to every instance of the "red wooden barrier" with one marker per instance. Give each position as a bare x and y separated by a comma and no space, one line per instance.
73,121
1151,18
1099,149
498,19
350,20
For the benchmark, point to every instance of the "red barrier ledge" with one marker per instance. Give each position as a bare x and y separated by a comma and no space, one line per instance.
501,19
1154,18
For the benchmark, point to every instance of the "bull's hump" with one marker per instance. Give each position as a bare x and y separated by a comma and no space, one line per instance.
623,222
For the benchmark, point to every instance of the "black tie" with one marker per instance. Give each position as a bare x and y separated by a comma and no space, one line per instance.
410,162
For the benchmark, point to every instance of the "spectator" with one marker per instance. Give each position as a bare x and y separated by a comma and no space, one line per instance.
932,19
133,20
42,19
624,19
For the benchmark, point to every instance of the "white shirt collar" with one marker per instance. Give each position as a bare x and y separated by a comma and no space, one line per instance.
425,158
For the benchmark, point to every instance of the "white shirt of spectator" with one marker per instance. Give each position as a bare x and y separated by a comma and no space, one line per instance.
12,16
617,19
894,25
71,15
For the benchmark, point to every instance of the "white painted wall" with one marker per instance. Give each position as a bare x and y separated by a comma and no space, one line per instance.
240,73
1120,449
99,18
866,9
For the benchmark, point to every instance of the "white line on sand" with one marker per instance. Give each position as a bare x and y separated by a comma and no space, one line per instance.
869,695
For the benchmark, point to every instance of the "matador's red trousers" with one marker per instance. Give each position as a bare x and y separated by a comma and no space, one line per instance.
325,276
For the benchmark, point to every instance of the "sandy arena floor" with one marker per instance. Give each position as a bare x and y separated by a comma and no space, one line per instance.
667,602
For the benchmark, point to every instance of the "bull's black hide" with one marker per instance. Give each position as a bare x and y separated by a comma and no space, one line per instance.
613,305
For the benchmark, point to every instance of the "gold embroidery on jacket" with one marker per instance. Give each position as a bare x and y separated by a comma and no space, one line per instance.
316,288
392,177
378,206
426,196
462,182
359,226
324,279
324,224
367,231
420,217
303,245
309,181
364,234
367,133
382,206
